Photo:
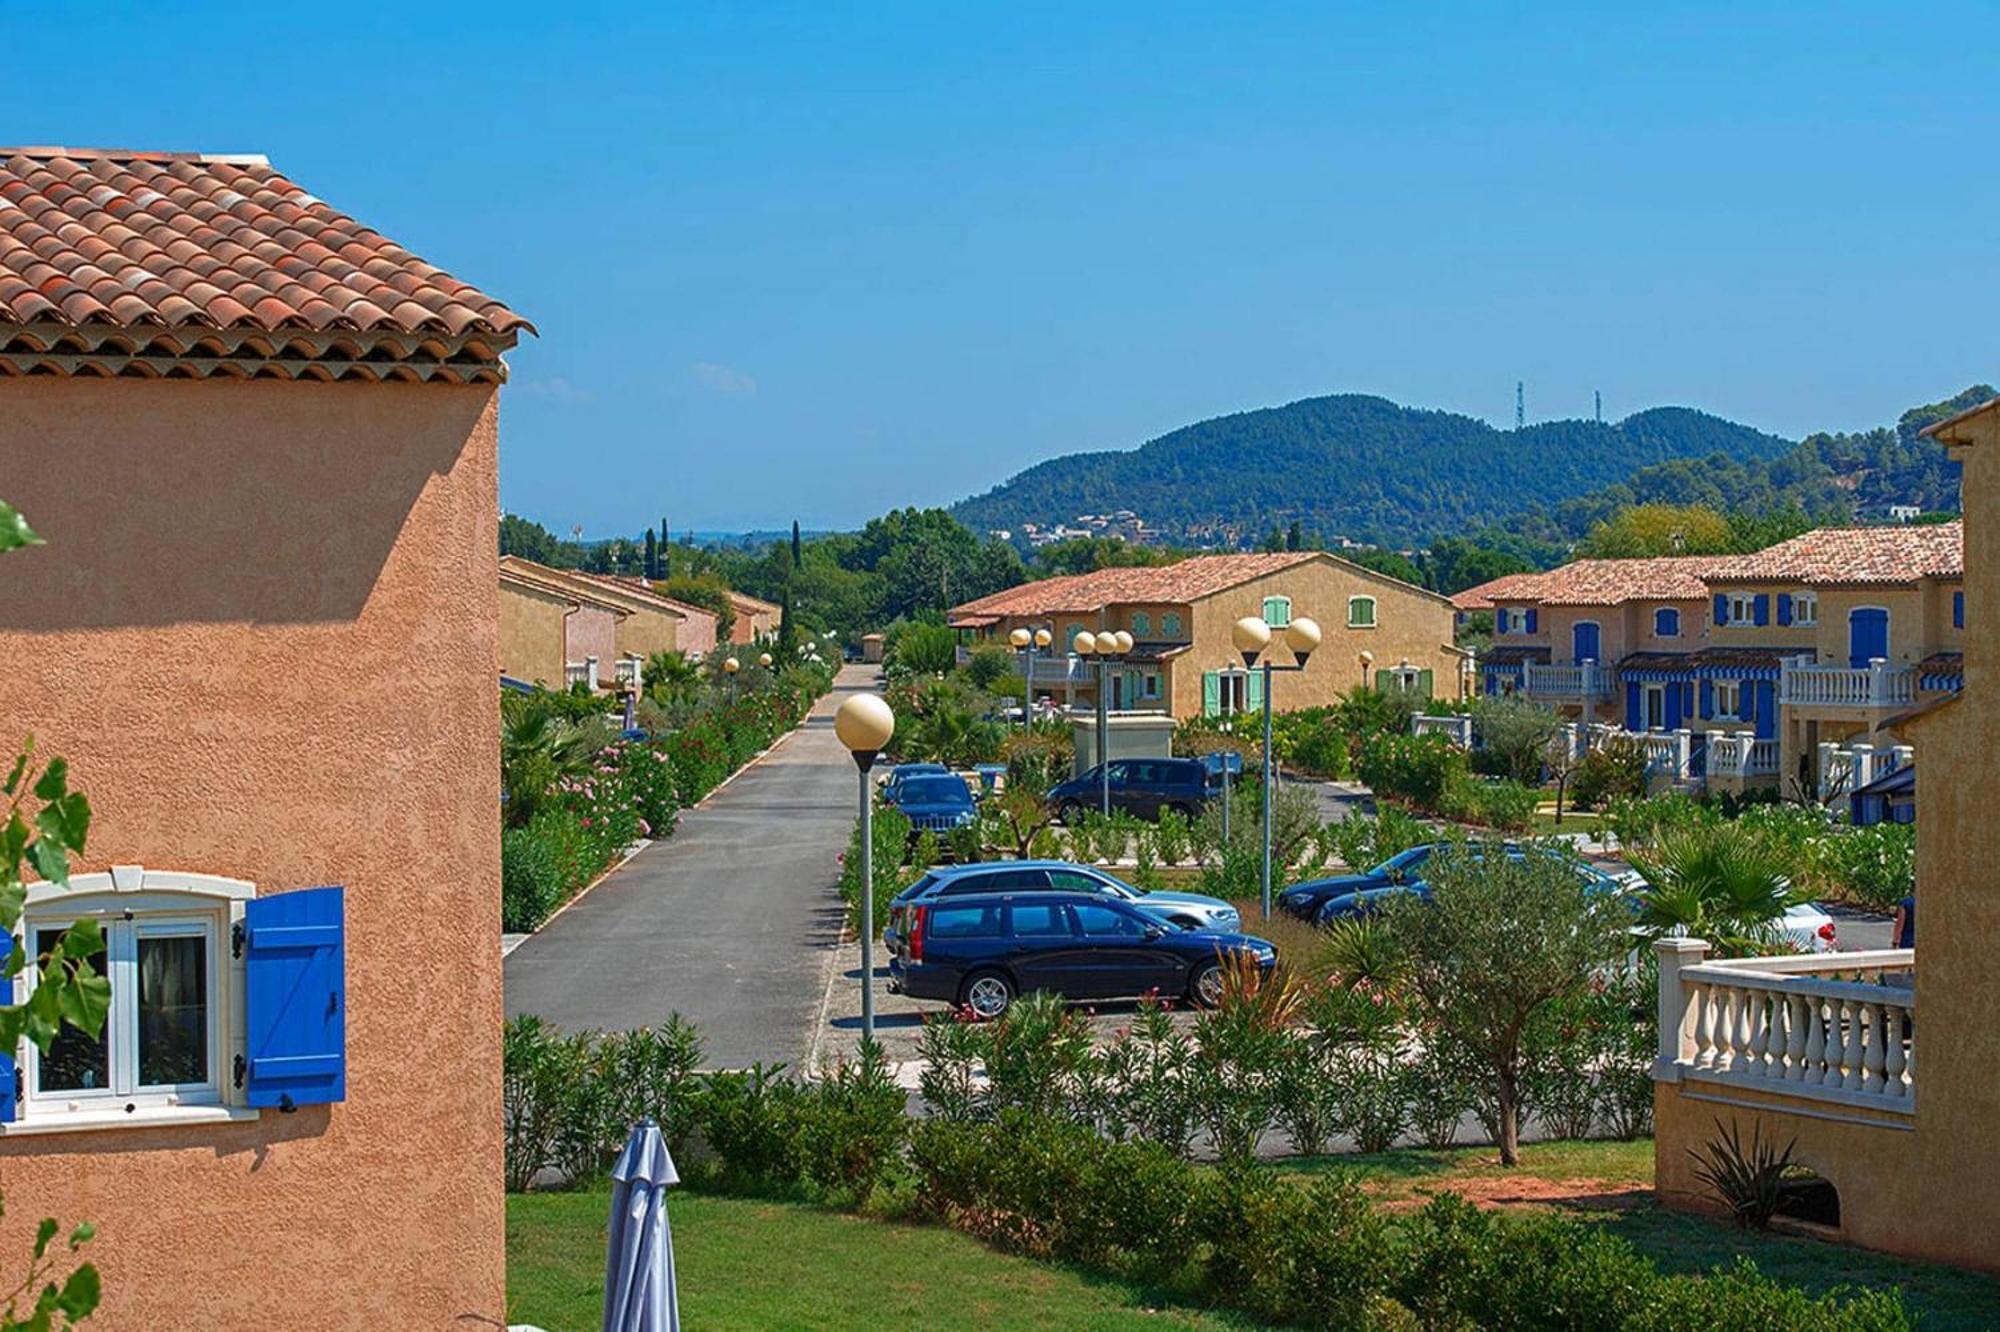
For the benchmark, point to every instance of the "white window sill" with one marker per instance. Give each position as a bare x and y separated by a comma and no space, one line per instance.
149,1116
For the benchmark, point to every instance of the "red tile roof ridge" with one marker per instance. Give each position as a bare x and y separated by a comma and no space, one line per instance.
46,151
1183,581
1894,553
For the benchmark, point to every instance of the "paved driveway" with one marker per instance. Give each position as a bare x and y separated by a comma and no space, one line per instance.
729,922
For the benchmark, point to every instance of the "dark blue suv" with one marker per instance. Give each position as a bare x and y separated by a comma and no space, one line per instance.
982,949
1141,786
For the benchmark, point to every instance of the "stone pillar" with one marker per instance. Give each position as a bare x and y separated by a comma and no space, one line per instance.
1675,1021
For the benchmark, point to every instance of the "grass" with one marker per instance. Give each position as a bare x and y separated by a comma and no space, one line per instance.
770,1265
1574,821
1945,1299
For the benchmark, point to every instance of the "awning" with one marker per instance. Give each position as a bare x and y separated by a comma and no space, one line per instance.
1714,663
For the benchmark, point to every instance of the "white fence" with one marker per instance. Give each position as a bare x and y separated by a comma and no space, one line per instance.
1825,1026
1741,754
1457,729
1845,769
1576,679
1879,685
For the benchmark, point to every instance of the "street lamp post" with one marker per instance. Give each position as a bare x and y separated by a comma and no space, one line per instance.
1030,645
864,724
729,668
1109,647
1252,637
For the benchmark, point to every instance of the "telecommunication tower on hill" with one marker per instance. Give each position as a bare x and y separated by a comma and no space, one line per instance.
1598,395
1520,403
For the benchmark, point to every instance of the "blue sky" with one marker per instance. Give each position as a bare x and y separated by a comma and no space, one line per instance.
817,261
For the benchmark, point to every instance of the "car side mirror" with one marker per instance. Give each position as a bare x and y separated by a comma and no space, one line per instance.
1156,931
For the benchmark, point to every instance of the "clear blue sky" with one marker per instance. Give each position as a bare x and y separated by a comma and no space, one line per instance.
819,260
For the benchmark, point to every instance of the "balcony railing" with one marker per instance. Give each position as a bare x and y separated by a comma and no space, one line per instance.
1877,685
1845,769
1576,679
1741,754
1455,728
1830,1027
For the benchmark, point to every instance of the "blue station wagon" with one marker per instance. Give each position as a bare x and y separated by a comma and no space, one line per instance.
984,949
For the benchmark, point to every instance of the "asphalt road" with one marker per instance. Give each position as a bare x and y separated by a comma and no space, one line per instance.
729,922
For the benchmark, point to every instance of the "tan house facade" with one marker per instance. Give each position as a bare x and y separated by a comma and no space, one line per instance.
640,623
1377,630
1825,1050
263,633
755,619
555,636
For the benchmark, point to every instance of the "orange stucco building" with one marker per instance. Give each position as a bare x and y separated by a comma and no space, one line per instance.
259,440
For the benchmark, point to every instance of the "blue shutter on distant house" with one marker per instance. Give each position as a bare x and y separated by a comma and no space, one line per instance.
1784,608
1721,609
1766,708
1760,608
1958,610
1634,721
295,1001
1707,698
7,1105
1532,617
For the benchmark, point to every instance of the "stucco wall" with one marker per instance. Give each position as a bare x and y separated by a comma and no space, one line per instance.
592,631
264,632
1410,625
696,632
531,634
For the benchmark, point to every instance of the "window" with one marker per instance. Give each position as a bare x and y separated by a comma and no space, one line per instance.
1277,611
1075,881
221,1003
1805,608
1000,881
1069,637
1958,610
1742,608
1361,612
1142,624
1228,691
1104,922
1728,698
1170,625
1149,685
1666,623
1503,621
966,922
1040,920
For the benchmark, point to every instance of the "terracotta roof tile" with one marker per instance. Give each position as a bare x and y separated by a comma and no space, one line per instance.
127,239
1842,556
1602,583
1183,581
1484,596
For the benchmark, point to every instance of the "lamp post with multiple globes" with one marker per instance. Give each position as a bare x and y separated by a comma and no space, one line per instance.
1109,647
864,724
1029,644
1252,637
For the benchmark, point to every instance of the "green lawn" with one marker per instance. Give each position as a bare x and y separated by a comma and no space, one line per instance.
746,1264
1416,1173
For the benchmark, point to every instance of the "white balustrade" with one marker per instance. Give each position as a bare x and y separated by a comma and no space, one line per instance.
1457,729
1741,754
1877,685
1845,769
1574,679
1823,1026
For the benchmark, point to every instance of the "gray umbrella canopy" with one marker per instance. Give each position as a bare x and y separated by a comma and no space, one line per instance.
639,1293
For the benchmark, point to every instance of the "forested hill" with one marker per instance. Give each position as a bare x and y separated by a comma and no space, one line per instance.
1355,466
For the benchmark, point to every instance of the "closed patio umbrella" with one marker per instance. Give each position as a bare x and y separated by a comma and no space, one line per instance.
639,1291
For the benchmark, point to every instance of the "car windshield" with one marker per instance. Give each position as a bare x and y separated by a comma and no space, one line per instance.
1120,888
1404,860
935,791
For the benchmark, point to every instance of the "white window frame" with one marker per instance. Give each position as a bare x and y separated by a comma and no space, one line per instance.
1805,608
1353,605
1406,678
131,902
1742,609
1733,708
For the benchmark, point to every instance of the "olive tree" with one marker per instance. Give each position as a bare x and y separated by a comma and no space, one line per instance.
1503,938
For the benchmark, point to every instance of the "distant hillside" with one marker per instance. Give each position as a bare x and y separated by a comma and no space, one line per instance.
1356,466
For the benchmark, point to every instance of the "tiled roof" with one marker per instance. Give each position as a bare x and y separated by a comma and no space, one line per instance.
550,582
1514,654
1487,594
755,605
173,240
1841,556
1713,658
1183,581
1606,582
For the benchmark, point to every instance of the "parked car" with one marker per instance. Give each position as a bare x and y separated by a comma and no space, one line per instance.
933,802
1183,911
1305,899
1363,901
982,950
902,772
1143,787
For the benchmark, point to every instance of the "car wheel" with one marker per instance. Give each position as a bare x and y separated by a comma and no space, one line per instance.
1185,811
988,994
1205,988
1069,811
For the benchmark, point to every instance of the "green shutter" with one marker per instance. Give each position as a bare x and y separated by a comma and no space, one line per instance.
1424,683
1211,694
1277,611
1385,682
1253,693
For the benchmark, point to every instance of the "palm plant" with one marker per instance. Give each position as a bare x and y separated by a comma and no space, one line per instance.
1719,882
671,678
540,751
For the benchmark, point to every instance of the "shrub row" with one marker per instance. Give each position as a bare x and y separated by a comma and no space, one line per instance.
1872,866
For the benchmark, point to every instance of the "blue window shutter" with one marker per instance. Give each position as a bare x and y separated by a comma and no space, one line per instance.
1766,695
1707,699
1784,608
8,1109
295,1000
1721,609
1634,718
1500,621
1958,610
1760,608
1532,617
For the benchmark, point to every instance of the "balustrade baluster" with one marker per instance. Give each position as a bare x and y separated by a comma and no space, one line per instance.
1702,995
1739,1030
1795,1037
1836,1046
1756,1030
1892,1044
1874,1059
